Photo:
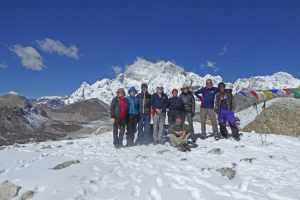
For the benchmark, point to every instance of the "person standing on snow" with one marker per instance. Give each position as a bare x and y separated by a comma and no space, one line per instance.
175,107
224,107
179,134
188,100
144,119
133,115
207,108
118,114
159,103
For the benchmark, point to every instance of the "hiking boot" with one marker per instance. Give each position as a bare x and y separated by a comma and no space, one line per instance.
186,146
181,148
117,146
161,142
155,142
193,137
203,136
225,136
216,137
236,138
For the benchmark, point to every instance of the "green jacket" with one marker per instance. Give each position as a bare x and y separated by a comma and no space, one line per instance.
174,128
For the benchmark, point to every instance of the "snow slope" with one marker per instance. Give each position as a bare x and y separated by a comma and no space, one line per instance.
157,172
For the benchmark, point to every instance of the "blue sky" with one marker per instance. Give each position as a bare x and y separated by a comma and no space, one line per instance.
51,47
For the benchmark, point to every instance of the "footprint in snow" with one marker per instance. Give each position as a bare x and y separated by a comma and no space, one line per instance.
154,194
159,182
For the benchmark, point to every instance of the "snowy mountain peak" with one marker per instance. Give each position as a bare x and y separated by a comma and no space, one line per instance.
171,76
279,80
141,71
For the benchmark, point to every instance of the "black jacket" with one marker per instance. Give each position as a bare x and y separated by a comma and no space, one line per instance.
115,108
175,106
159,102
227,97
188,102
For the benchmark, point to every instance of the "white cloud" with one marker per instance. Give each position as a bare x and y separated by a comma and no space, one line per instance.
117,69
223,51
55,46
30,58
211,65
3,65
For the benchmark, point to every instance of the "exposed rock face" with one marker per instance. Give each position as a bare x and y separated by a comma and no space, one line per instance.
20,121
83,111
281,117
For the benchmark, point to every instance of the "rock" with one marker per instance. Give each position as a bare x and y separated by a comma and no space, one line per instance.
69,143
249,160
183,159
234,165
227,171
66,164
163,151
239,146
103,129
46,147
8,190
27,195
16,145
215,151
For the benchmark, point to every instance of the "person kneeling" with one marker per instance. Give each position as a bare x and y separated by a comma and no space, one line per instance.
179,134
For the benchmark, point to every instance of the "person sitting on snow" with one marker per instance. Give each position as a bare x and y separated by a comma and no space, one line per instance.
179,134
224,107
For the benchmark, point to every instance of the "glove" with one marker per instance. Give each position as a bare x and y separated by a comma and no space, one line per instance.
113,120
152,111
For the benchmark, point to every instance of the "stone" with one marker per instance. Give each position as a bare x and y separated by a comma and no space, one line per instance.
66,164
215,151
227,171
8,190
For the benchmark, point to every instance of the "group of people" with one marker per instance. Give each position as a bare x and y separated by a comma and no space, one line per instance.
134,112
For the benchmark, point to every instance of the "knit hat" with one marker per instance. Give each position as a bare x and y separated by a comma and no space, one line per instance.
121,90
132,89
144,85
174,90
221,85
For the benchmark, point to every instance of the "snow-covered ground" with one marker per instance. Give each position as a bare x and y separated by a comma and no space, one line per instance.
157,172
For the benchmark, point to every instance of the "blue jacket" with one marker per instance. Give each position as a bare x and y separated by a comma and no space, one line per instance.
159,102
208,96
175,106
133,105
